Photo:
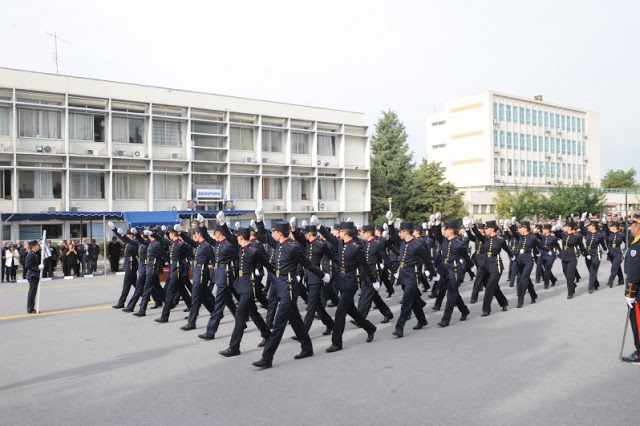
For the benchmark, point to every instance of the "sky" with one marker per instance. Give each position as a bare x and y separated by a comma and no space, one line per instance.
366,56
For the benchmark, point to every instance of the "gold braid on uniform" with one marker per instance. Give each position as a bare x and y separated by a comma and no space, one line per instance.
629,291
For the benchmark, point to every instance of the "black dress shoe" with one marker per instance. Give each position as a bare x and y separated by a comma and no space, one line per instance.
435,308
570,296
205,336
230,352
505,308
328,331
161,320
546,287
398,333
370,335
519,305
118,306
156,306
387,318
263,342
186,309
139,314
354,323
472,301
188,327
303,354
533,301
485,314
334,348
631,358
420,326
294,337
263,363
464,316
128,310
32,312
443,324
590,291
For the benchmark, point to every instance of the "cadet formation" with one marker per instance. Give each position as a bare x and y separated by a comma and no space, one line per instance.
236,270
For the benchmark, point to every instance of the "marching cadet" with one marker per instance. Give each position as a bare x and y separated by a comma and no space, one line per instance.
548,254
386,275
526,244
143,244
571,243
412,255
378,261
288,254
259,273
632,271
33,268
476,234
615,239
130,265
512,241
248,259
455,257
353,265
155,257
179,255
493,267
594,240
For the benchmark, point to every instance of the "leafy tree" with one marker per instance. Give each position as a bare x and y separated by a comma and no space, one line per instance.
391,166
523,203
576,198
620,179
431,193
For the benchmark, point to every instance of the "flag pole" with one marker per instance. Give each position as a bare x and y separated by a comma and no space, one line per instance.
44,238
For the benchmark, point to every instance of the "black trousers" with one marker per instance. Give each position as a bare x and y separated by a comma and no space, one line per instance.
593,265
616,261
115,263
479,282
223,298
634,318
151,283
31,296
200,294
346,306
175,286
410,302
128,282
247,308
314,304
569,270
369,295
272,303
547,265
493,289
287,313
137,294
453,298
525,266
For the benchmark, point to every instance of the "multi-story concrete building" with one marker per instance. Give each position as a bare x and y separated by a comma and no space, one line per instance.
69,143
490,139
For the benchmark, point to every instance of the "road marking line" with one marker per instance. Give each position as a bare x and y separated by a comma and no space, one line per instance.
65,311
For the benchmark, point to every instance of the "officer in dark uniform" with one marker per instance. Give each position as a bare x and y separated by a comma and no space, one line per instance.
200,292
632,271
288,254
615,240
353,265
259,273
143,244
550,246
379,262
155,257
248,259
33,267
130,263
571,243
594,241
179,255
525,247
479,257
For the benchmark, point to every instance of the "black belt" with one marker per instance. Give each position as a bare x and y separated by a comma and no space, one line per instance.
349,271
282,274
221,265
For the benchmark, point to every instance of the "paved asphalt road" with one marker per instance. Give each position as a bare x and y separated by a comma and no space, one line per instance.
555,362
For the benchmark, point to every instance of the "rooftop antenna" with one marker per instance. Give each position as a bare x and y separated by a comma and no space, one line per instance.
55,56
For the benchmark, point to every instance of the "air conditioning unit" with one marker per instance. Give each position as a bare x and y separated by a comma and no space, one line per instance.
173,208
294,161
496,149
319,163
559,156
495,121
547,130
137,154
586,136
53,209
121,153
322,206
93,152
548,155
308,208
586,158
496,178
249,160
548,180
75,209
176,156
47,149
265,160
558,131
279,208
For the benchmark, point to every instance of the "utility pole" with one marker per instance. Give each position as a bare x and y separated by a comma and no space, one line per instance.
55,55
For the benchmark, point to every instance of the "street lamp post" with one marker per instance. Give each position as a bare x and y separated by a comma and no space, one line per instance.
389,200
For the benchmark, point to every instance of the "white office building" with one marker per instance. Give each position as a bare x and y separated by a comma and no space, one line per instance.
80,144
488,140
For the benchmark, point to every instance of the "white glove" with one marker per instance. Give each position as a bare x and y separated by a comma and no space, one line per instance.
111,225
432,218
220,217
588,257
385,227
389,215
40,267
559,218
147,232
630,301
535,230
427,273
571,215
583,217
382,266
348,220
514,219
474,269
376,285
385,235
298,278
120,231
200,218
550,253
292,222
134,231
429,224
326,278
177,227
507,223
237,224
438,216
314,221
500,222
437,277
604,219
257,271
164,228
305,223
513,258
253,225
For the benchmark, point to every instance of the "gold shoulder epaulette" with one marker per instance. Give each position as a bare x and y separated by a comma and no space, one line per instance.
636,240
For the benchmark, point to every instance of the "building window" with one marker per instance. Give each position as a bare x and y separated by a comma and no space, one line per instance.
535,143
476,209
509,140
535,169
509,168
508,112
128,130
327,189
522,146
326,145
271,141
579,123
546,144
241,138
495,110
546,119
515,114
501,112
542,169
492,209
167,187
272,189
300,189
5,185
87,186
495,138
534,117
40,184
86,127
300,143
528,142
522,169
166,133
130,187
540,118
558,146
5,119
528,168
522,115
564,122
207,128
39,123
564,146
501,139
552,121
503,169
579,148
528,116
242,188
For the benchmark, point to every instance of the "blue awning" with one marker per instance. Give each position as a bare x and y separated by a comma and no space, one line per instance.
63,216
211,214
151,218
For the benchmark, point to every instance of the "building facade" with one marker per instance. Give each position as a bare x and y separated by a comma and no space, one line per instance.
488,140
79,144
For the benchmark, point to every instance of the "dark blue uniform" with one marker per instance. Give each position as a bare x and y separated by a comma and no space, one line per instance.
547,257
200,293
130,267
31,264
632,271
614,243
594,241
525,246
376,256
155,258
571,244
179,255
156,293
